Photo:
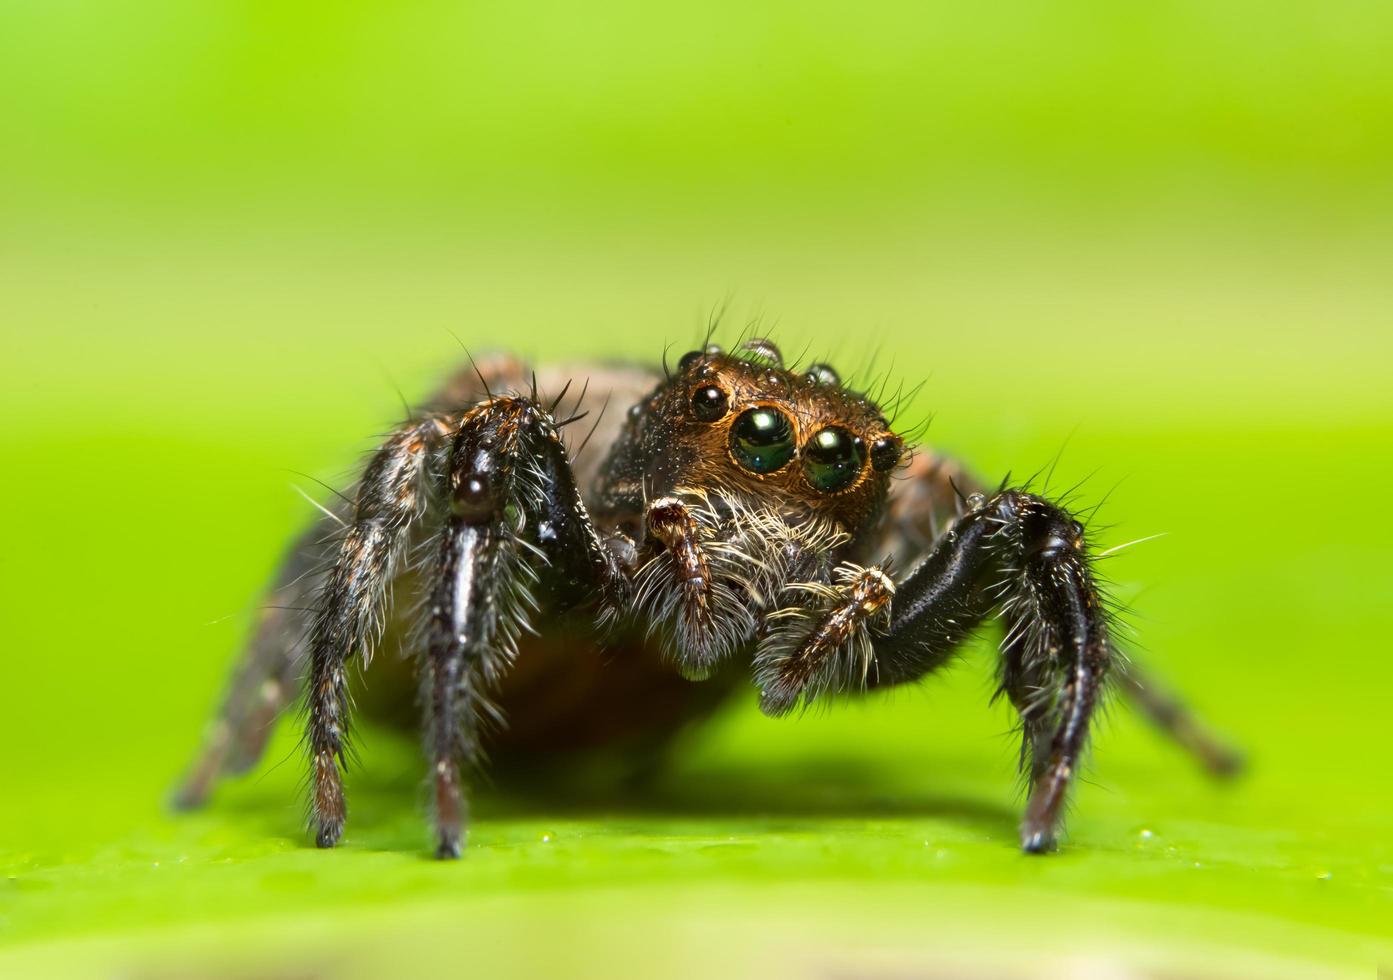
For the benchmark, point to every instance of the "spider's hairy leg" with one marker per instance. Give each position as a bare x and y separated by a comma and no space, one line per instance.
265,679
1057,649
1026,556
352,604
515,514
464,621
930,492
268,675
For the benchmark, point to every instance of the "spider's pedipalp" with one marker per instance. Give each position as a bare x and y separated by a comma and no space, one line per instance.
822,642
721,563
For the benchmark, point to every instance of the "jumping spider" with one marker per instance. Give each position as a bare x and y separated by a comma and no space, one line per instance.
732,520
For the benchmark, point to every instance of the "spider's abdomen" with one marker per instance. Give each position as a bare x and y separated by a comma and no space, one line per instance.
566,695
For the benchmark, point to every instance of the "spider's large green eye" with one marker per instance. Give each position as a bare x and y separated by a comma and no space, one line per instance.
833,459
761,440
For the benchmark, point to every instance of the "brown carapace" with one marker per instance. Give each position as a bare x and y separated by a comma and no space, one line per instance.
732,512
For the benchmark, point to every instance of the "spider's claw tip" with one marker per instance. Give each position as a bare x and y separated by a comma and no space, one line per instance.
188,796
1227,764
327,835
448,849
1037,840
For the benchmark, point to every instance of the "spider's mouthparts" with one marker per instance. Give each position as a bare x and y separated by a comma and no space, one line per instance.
725,561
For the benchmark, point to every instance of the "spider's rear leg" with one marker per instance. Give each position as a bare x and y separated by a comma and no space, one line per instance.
927,494
1168,713
515,514
267,676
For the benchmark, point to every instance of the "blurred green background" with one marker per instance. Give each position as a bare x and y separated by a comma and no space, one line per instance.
1163,234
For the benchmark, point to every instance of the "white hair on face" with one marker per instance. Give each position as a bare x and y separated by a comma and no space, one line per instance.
753,553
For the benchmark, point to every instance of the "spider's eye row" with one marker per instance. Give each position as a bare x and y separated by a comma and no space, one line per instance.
886,452
761,440
709,403
833,459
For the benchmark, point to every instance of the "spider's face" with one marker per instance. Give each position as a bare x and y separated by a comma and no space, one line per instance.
793,442
738,478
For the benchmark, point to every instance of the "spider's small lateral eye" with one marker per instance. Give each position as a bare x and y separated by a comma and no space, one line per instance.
823,374
833,459
886,452
692,356
763,349
761,440
709,403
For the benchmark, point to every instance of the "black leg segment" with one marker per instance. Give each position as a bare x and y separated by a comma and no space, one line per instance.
1019,554
515,521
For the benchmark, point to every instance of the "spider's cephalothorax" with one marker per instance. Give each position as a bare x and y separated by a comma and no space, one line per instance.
739,481
745,512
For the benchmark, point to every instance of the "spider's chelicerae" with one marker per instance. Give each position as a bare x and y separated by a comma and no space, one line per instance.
743,513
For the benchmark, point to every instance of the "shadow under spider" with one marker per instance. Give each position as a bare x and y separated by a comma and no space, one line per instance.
392,788
837,788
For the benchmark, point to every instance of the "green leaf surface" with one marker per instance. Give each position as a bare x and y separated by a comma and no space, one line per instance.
883,828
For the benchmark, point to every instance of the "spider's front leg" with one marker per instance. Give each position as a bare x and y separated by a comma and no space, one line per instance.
512,512
1015,552
515,512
